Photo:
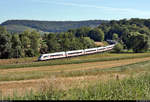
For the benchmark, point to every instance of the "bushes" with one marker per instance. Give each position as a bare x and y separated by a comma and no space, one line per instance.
118,48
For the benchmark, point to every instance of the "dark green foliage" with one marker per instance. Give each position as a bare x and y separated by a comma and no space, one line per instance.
82,32
52,43
140,42
69,42
35,42
134,33
31,43
118,48
5,43
43,47
115,37
16,46
87,43
96,34
29,52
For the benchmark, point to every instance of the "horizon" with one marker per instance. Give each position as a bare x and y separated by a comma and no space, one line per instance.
72,10
69,20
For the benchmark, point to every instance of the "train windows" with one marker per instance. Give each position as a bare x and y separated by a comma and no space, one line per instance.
90,50
74,53
109,47
56,55
102,49
45,56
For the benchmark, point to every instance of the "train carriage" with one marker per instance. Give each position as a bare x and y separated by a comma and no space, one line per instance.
74,53
100,49
90,51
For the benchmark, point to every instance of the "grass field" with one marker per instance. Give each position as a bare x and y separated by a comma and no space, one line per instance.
97,76
31,62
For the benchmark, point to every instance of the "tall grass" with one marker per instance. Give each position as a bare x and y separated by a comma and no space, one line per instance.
126,89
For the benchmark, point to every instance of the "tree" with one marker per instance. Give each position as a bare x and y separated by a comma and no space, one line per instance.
82,32
118,48
29,52
75,44
5,43
115,37
52,43
43,47
96,34
26,42
35,42
139,42
87,42
16,46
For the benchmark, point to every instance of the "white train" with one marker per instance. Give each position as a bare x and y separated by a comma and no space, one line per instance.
56,55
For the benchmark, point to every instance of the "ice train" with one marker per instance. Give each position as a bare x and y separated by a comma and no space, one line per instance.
56,55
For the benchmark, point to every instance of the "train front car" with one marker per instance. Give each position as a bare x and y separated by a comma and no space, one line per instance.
39,58
74,53
43,57
57,55
49,56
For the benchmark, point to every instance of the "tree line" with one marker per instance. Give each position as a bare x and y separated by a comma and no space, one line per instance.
131,34
32,43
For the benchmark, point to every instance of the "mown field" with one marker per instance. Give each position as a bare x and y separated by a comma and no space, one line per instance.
97,76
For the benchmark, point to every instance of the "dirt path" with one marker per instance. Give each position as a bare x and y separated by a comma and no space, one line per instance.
24,85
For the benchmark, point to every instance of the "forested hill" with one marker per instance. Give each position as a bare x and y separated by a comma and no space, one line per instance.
48,26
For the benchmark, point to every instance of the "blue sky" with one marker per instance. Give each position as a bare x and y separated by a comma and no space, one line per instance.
74,10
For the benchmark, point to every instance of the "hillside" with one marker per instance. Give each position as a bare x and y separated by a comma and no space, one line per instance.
48,26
